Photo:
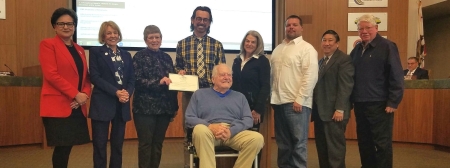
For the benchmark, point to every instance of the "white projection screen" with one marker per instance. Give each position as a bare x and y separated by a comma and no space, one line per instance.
231,20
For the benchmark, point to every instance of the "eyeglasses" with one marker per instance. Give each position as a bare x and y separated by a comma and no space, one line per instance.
62,24
364,28
199,19
225,75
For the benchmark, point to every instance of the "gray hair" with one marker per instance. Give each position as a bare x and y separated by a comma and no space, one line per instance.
259,43
216,67
367,18
150,29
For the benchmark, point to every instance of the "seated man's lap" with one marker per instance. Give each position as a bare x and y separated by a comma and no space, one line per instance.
241,140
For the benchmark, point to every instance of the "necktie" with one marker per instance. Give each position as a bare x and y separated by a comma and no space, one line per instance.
324,62
409,73
200,60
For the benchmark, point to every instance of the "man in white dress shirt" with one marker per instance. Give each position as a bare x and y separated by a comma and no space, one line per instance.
294,75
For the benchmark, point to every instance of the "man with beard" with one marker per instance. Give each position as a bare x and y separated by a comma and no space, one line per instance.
198,53
294,75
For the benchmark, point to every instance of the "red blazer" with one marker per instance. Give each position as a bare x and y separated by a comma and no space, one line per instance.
60,82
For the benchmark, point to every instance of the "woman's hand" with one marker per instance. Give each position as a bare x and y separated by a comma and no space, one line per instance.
165,81
123,95
81,98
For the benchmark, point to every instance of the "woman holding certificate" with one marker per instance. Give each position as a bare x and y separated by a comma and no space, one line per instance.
154,105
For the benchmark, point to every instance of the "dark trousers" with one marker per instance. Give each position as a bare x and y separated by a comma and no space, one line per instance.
151,131
100,130
374,132
330,143
60,157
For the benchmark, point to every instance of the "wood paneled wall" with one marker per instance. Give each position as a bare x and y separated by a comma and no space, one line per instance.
19,116
27,23
441,117
322,15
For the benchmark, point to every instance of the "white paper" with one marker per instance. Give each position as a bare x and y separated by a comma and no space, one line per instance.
2,9
183,82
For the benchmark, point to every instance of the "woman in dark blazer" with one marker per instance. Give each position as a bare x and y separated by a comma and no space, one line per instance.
65,88
251,75
111,70
154,105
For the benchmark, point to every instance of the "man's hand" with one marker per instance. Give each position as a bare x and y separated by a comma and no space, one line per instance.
297,107
219,130
337,116
390,109
226,134
182,72
256,117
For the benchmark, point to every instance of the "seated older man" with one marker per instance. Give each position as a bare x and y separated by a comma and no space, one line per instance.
221,116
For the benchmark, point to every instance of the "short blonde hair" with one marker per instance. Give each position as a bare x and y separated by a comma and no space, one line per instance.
367,18
259,43
102,31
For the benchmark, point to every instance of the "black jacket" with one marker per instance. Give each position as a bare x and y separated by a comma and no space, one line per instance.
419,73
253,81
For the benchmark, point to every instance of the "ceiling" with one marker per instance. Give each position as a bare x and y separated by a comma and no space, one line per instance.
436,10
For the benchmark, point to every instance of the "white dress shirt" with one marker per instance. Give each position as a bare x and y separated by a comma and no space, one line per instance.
294,68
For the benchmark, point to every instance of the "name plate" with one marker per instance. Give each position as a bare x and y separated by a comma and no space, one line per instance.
6,73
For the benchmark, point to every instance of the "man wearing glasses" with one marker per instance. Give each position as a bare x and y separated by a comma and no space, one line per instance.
198,53
377,91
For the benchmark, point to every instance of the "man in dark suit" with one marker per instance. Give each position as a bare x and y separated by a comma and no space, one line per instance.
331,102
413,71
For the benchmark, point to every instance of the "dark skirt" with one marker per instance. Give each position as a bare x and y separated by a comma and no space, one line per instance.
69,131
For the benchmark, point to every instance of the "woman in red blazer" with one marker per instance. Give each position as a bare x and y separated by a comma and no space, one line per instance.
65,88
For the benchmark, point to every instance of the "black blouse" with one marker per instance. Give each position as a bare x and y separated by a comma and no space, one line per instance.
253,81
149,96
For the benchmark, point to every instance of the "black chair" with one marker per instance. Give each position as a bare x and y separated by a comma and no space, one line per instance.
220,151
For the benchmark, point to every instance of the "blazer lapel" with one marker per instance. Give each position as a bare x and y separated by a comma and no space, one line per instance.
329,64
104,53
65,53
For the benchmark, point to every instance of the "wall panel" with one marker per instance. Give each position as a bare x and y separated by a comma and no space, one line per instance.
31,31
441,131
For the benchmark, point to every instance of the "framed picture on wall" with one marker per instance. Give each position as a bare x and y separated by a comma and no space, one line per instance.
367,3
352,41
381,19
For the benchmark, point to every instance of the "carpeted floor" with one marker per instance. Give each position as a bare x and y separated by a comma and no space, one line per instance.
33,156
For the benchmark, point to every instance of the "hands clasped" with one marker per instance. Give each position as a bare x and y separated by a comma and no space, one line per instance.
123,95
220,131
80,99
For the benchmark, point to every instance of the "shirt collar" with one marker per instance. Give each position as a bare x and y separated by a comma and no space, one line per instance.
254,56
224,94
374,42
295,41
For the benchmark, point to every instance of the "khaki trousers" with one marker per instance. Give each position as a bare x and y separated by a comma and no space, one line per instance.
248,143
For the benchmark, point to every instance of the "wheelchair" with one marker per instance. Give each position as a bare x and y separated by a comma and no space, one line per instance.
220,151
